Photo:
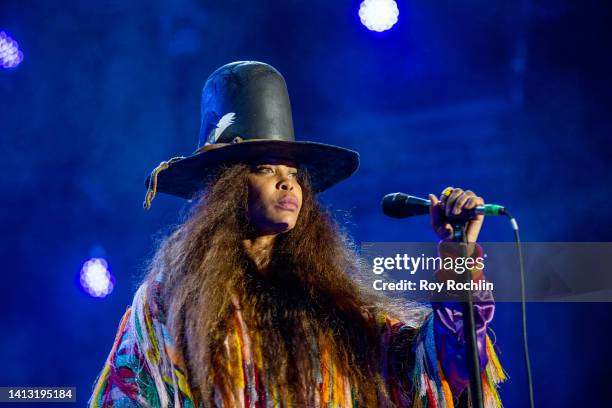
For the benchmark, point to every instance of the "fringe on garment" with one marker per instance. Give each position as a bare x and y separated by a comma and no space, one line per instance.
144,368
431,387
143,365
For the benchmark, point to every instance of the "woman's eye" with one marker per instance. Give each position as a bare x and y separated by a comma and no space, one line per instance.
266,170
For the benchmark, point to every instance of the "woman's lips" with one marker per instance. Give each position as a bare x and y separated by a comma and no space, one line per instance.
287,203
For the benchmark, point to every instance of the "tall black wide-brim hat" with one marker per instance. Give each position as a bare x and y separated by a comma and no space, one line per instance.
246,116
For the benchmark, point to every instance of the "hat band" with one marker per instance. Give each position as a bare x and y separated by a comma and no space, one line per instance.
212,146
152,187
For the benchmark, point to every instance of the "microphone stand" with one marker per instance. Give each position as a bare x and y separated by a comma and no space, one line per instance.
469,324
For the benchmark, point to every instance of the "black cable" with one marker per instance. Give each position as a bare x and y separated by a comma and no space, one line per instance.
523,306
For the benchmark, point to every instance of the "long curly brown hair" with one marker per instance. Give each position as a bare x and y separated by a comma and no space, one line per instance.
307,293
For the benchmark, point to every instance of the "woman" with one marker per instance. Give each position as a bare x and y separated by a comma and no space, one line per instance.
250,301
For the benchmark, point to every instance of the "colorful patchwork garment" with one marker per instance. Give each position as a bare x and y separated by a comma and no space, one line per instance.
144,369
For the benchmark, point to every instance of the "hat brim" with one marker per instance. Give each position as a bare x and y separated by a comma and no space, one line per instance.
326,164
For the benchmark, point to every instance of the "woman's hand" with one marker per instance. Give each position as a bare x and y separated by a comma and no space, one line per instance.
453,203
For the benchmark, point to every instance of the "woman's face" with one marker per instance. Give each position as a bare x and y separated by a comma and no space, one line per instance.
275,196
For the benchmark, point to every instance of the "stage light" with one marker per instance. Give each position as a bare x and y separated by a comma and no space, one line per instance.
96,279
10,55
378,15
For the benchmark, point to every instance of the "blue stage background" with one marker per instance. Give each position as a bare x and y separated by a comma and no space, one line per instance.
509,99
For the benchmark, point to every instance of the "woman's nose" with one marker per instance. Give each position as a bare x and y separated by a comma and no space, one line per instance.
286,184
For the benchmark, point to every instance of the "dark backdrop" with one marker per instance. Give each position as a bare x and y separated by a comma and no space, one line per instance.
509,99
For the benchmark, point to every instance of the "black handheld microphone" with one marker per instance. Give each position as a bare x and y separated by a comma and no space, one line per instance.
400,205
